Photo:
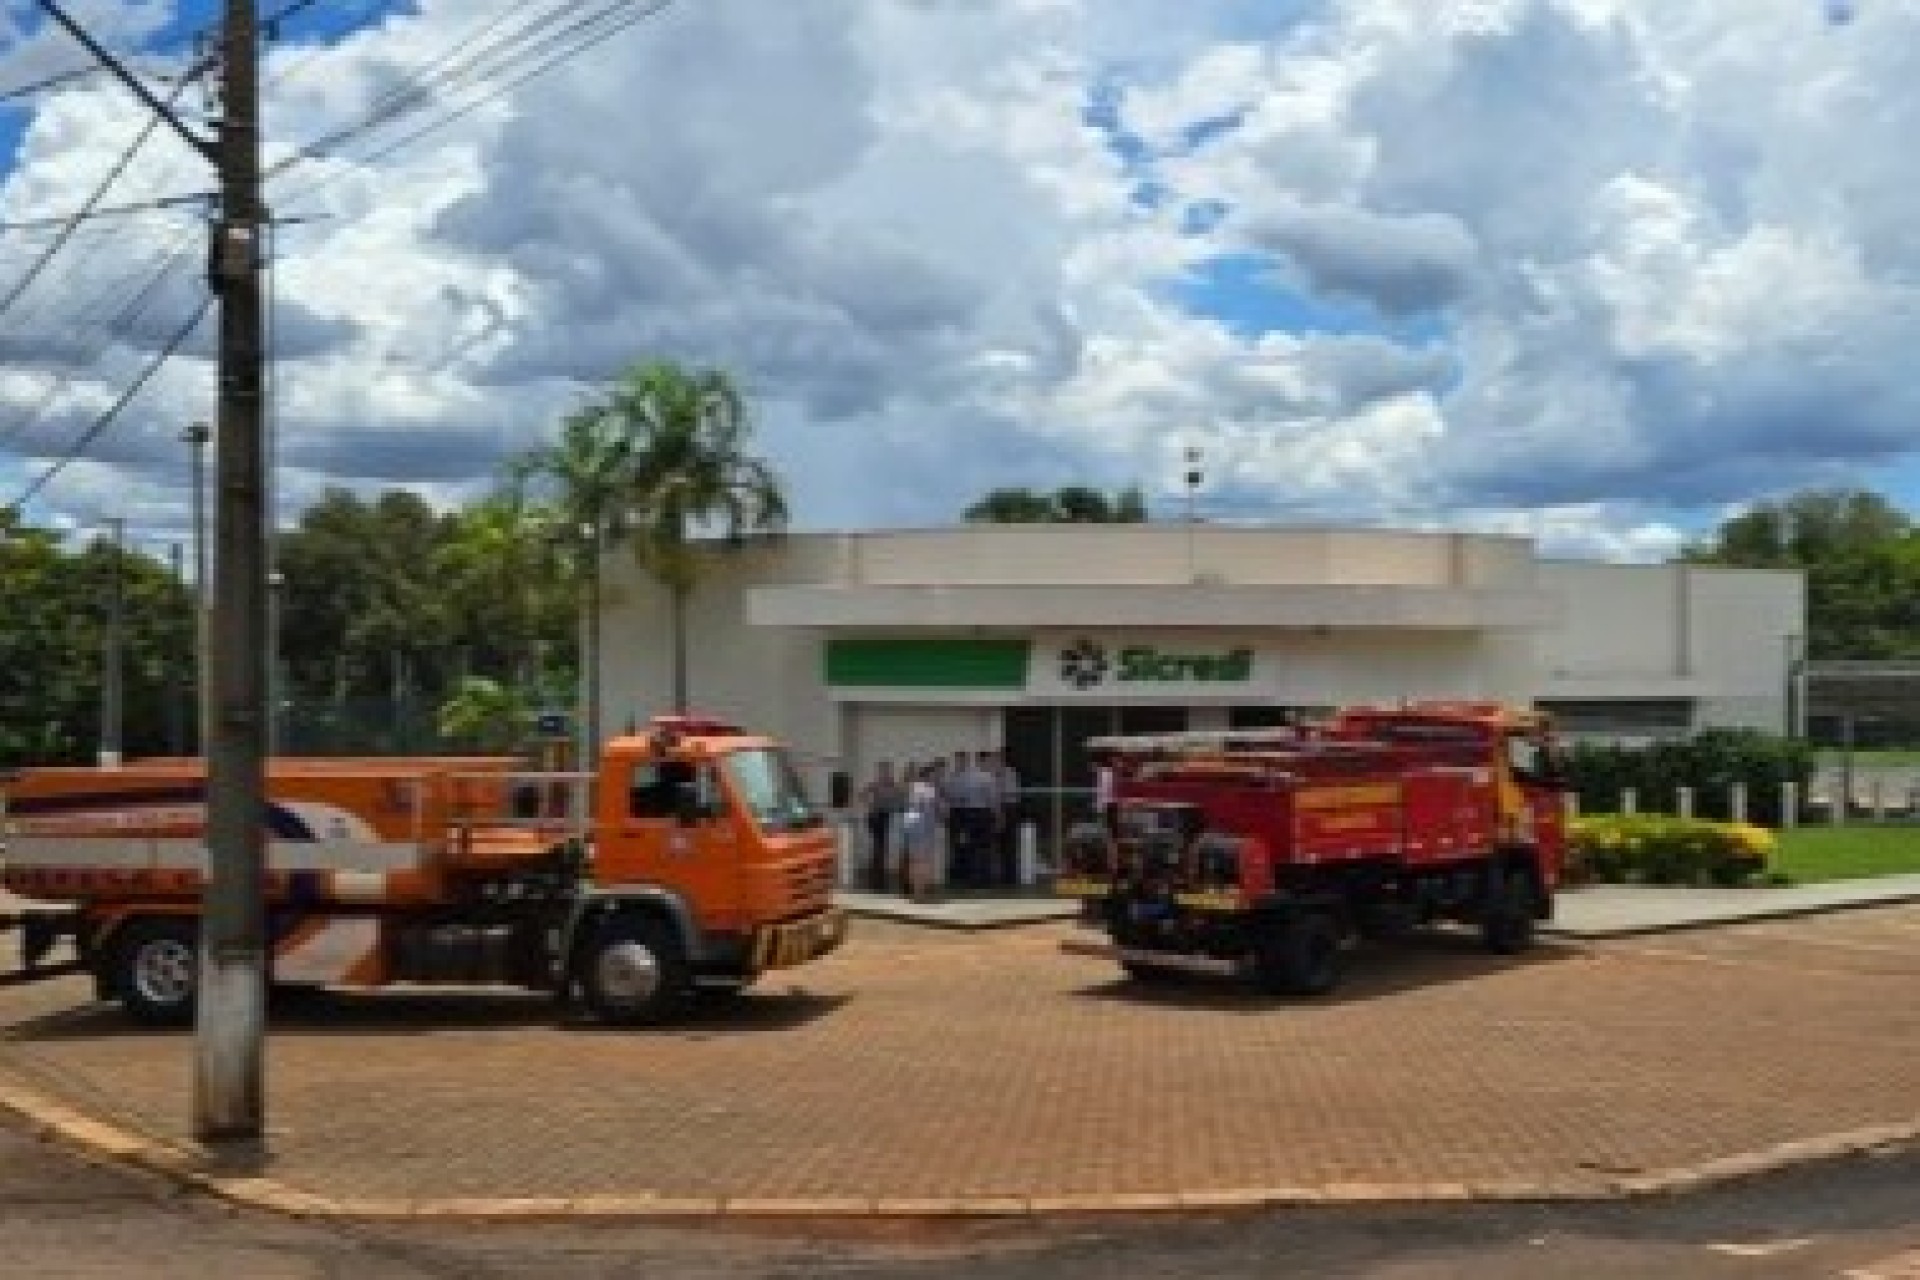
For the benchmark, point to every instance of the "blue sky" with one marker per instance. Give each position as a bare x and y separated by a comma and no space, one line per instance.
1585,269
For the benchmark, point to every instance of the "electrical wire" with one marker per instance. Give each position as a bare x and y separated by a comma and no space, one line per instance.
111,211
106,419
49,82
100,191
557,46
172,257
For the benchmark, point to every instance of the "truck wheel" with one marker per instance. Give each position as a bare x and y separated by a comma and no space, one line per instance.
1301,957
633,972
1506,920
156,971
1151,974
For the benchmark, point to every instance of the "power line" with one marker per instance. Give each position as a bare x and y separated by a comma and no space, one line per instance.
106,419
591,30
111,211
105,185
48,82
132,307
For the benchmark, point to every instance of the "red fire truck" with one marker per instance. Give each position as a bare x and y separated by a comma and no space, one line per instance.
1264,853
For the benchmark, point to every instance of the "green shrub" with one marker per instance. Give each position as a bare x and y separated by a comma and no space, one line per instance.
1710,762
1656,849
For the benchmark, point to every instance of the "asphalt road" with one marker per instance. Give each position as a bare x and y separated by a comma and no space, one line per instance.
1858,1219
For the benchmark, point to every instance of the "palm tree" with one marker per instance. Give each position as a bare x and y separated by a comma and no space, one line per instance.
688,469
581,480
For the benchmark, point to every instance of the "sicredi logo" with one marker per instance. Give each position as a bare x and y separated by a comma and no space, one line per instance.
1084,664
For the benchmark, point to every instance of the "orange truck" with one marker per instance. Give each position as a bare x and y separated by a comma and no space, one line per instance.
687,865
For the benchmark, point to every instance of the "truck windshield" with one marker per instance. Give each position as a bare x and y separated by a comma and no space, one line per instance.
767,784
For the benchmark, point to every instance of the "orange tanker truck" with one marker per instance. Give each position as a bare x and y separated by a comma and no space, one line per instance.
1264,853
690,863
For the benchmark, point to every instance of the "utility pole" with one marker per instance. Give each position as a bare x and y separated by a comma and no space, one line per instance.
230,1028
195,437
113,651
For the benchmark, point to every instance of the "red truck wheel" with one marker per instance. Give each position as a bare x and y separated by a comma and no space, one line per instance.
1506,919
1300,955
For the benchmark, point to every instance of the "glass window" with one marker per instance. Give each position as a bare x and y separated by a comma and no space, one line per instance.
770,789
655,788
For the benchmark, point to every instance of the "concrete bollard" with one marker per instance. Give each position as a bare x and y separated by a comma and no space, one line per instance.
846,855
1789,806
1877,800
1683,801
1838,804
1629,801
1029,847
1737,802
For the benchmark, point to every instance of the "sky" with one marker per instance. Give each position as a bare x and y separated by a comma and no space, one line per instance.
1598,272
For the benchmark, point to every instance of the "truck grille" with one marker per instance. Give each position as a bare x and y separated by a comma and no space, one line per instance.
809,884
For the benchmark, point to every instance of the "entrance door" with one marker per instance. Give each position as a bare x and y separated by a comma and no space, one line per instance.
1047,746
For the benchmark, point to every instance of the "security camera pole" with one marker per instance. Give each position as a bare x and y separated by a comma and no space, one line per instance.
230,1027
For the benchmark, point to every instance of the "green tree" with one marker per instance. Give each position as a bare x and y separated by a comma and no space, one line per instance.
363,606
1861,557
690,471
1069,504
661,457
53,641
510,589
485,714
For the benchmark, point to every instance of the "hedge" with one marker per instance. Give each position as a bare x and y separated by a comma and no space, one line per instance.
1710,762
1656,849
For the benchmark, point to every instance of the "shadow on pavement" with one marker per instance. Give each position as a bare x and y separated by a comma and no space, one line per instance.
324,1013
1375,970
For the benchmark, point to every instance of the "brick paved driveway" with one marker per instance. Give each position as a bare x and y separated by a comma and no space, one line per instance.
919,1063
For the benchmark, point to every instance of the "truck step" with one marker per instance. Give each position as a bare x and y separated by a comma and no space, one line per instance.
1153,959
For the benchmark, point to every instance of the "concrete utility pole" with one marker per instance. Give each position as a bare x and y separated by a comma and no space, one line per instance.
113,651
195,437
230,1027
230,1030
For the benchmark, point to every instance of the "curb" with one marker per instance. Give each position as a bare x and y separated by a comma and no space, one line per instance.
1758,915
94,1139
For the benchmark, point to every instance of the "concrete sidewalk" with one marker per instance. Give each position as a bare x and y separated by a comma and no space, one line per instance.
1590,912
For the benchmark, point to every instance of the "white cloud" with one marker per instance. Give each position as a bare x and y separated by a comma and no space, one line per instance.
1629,260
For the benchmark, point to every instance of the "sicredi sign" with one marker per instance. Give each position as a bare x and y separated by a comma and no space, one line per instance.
1091,664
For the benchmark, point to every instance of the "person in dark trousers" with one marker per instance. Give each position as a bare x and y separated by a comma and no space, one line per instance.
971,815
884,798
1006,795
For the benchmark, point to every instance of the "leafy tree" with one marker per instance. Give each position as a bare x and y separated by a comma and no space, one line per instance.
1861,557
363,606
1069,504
485,714
53,641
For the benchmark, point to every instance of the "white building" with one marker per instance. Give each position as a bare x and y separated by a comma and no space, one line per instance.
1031,638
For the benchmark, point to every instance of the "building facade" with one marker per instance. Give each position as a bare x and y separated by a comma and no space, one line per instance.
1030,639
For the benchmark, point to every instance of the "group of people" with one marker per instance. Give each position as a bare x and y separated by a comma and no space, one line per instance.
968,806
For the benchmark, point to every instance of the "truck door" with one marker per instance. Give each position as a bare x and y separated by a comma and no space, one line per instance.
675,829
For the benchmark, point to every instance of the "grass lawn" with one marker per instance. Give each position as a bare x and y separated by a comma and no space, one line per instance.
1875,757
1810,854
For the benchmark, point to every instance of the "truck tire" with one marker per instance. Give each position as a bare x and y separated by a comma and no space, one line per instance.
156,971
1149,974
1300,957
633,971
1506,918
